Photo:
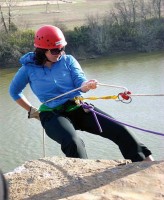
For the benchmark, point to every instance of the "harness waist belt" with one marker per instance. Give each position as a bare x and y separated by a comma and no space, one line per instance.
68,106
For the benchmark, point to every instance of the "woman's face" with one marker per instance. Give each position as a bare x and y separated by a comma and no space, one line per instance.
53,55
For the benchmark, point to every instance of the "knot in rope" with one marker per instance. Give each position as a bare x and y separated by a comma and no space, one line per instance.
87,106
90,107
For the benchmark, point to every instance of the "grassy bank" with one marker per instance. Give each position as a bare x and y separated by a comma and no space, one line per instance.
33,14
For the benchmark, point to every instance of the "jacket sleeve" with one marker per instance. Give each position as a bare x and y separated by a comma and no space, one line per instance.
18,83
77,73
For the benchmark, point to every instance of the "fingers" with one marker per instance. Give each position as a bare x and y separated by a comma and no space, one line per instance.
33,113
92,84
88,85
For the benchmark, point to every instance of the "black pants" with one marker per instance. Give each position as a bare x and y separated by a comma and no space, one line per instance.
62,127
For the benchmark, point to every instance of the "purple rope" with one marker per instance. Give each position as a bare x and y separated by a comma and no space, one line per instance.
91,108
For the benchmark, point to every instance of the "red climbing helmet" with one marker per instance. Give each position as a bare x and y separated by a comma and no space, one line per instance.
49,37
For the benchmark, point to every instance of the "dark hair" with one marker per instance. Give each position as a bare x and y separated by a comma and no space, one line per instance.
40,57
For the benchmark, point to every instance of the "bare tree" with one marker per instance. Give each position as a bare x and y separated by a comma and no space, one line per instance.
58,4
47,4
133,5
157,4
123,11
126,10
3,20
7,17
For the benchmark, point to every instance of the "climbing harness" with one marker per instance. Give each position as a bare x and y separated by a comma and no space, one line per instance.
124,97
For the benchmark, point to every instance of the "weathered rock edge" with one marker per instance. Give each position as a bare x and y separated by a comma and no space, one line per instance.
78,179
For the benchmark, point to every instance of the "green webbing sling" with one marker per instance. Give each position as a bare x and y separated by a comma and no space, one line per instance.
68,108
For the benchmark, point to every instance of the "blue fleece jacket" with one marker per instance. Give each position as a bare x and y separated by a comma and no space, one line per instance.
47,83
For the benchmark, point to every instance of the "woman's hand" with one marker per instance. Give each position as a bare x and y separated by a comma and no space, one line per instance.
88,85
33,113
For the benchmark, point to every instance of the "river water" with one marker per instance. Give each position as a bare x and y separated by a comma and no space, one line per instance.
21,139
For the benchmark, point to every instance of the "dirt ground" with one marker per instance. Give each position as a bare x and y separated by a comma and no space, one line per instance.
83,179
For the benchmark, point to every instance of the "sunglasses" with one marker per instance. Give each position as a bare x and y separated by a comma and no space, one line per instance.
56,51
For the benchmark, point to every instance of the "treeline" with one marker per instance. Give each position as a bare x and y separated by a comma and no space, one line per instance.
132,26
